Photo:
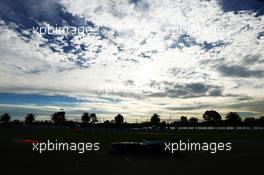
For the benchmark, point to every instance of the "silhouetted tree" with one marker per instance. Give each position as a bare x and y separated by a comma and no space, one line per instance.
16,122
93,118
211,116
5,118
30,118
107,123
250,121
183,120
260,121
193,120
155,119
86,118
119,119
233,118
58,117
163,124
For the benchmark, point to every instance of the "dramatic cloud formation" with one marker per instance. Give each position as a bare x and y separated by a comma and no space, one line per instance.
133,57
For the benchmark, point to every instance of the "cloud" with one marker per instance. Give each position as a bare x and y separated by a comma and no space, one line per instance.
239,71
133,43
253,59
188,108
255,105
191,90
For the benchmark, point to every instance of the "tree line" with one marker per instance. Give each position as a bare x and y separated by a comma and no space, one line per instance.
210,118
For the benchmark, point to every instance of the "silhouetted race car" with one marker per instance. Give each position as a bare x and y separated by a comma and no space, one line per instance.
154,146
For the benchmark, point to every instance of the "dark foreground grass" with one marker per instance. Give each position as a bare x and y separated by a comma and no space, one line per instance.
109,136
246,156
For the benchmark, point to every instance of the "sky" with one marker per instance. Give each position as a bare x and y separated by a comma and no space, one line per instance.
134,57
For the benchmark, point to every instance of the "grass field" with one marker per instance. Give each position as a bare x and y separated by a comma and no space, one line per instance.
106,136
